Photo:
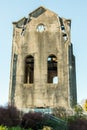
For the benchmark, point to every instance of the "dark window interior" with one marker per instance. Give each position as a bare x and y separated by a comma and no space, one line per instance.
52,68
29,69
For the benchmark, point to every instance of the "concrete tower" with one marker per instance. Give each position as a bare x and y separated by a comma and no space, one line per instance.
42,63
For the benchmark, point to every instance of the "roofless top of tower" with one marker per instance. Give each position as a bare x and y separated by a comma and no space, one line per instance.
36,13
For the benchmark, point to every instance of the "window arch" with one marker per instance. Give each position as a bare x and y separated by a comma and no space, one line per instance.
52,69
29,69
40,27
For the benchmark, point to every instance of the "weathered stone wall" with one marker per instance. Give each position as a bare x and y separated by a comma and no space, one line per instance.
29,40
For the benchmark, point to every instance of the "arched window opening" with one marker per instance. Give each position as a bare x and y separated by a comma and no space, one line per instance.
52,69
29,69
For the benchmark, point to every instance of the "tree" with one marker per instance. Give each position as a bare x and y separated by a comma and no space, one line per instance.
78,110
85,105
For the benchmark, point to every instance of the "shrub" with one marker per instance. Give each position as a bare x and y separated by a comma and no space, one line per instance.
78,110
33,120
47,128
9,116
78,124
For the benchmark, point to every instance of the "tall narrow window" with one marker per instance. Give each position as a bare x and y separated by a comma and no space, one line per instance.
52,69
29,69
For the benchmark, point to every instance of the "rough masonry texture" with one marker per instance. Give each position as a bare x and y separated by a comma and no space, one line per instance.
42,63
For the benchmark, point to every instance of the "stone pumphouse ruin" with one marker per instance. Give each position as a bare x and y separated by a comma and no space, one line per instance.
42,63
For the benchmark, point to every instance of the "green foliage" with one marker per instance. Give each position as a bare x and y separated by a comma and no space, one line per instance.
3,127
12,128
47,128
78,110
15,128
85,105
10,119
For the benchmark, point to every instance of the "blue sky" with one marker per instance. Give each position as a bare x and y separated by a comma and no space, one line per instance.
15,10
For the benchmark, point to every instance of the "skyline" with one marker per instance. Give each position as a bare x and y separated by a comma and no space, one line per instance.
14,11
